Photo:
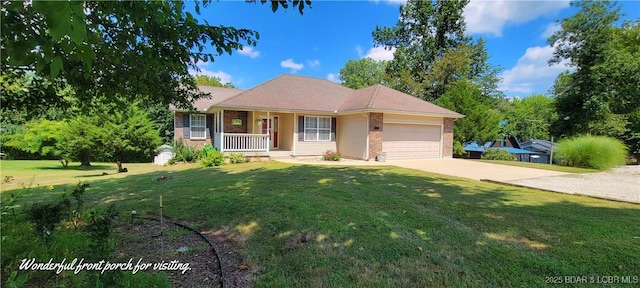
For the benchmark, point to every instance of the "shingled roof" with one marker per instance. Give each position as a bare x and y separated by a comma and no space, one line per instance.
218,94
384,99
293,93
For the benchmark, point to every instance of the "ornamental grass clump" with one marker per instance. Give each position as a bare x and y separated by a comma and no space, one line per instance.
597,152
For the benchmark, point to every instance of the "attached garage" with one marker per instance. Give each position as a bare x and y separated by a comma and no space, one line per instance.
411,141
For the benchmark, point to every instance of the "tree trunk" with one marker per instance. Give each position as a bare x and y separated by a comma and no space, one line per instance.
84,159
119,162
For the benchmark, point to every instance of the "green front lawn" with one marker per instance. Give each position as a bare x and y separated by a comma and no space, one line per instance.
551,167
371,226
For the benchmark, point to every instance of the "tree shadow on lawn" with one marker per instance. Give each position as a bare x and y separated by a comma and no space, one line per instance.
78,167
284,215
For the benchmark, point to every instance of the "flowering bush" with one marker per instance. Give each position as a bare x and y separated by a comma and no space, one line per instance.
331,156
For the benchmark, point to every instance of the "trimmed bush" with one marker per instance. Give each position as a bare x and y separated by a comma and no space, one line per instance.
235,158
498,154
210,156
597,152
331,156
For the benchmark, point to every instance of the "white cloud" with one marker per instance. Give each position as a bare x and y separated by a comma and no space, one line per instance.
289,63
333,77
313,63
249,51
377,53
532,74
223,76
492,16
359,51
550,29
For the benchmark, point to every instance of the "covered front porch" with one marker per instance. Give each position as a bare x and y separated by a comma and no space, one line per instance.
260,132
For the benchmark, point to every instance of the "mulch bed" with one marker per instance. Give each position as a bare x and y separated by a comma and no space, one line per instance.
182,250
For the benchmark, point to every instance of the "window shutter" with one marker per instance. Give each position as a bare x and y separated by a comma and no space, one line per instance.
333,128
301,128
209,126
186,130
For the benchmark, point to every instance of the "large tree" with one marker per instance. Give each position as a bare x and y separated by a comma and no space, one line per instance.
82,137
44,138
112,133
126,131
432,50
136,49
530,117
362,73
480,123
213,81
603,92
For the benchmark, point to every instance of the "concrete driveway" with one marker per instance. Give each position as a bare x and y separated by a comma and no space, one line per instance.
474,169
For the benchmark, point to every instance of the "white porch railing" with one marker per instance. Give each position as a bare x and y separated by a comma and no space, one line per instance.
240,142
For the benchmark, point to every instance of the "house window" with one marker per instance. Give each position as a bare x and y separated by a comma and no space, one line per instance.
198,126
317,128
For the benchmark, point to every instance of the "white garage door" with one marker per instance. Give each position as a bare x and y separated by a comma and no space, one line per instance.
408,141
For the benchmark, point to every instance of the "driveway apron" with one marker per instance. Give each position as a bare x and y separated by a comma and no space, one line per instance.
474,169
619,184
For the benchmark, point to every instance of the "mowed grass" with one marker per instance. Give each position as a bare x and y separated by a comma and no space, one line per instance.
323,226
552,167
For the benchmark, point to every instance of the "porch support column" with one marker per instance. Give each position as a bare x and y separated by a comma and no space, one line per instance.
222,130
268,132
295,134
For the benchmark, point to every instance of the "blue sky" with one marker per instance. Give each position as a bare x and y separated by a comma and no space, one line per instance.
330,33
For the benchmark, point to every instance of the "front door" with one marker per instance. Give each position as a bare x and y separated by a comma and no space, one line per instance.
270,126
274,128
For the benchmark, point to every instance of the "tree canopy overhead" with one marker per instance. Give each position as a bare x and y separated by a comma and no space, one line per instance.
602,95
426,28
432,50
362,73
130,48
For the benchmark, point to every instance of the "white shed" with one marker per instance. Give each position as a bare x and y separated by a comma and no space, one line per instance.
165,152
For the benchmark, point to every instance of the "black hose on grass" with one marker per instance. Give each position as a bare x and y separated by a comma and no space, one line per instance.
202,236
